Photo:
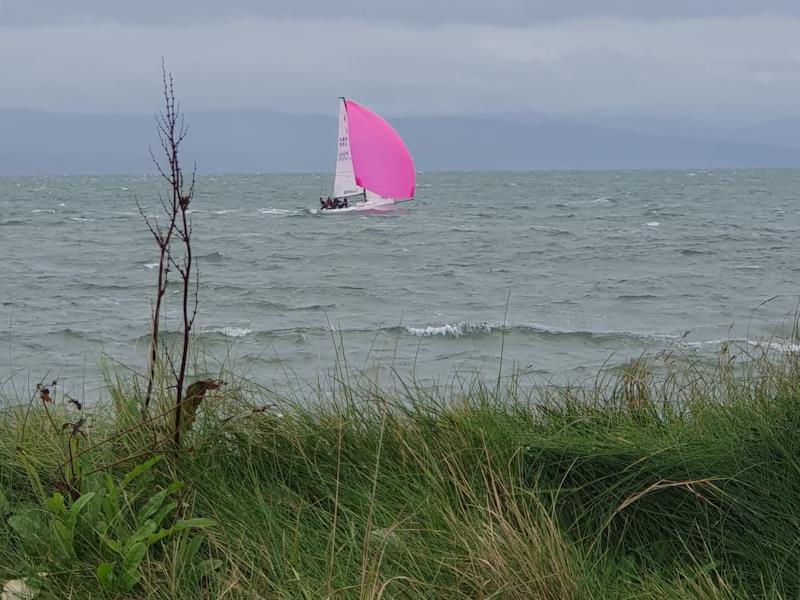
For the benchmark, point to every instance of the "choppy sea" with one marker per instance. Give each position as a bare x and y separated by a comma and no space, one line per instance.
568,272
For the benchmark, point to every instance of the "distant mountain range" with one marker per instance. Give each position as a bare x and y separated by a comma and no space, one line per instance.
33,142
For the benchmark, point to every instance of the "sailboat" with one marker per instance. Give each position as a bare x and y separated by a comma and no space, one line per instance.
374,169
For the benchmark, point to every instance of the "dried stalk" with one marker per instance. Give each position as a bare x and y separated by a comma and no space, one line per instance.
171,132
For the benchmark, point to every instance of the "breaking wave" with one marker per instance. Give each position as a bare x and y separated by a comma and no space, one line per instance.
460,329
455,330
234,332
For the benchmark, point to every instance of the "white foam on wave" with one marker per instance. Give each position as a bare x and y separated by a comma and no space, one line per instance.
150,265
452,330
779,345
787,347
225,211
274,211
234,332
652,223
44,210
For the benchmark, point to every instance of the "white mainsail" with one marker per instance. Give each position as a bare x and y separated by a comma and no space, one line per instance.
344,184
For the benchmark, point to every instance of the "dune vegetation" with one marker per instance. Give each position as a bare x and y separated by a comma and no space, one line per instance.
671,482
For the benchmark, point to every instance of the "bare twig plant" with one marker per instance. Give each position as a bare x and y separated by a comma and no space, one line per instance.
171,132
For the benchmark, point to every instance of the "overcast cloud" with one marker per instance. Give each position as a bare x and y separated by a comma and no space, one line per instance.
722,60
516,12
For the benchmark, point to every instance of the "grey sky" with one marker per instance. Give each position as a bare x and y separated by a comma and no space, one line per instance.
723,60
517,12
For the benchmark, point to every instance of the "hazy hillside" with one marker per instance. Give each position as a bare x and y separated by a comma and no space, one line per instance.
259,141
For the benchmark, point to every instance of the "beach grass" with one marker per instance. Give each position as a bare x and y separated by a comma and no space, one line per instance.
680,481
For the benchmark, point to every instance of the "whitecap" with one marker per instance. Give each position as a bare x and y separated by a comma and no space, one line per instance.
62,204
785,347
150,265
452,330
652,223
225,211
44,210
274,211
779,345
234,332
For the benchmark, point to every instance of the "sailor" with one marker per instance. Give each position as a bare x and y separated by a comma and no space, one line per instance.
335,203
329,203
344,203
321,204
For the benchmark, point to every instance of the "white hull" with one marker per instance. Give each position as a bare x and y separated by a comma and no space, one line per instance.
360,207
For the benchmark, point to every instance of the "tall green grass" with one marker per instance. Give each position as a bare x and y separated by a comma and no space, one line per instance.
667,480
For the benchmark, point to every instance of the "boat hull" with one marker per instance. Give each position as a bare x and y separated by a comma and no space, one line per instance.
361,207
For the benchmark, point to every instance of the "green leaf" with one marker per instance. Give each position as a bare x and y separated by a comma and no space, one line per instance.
138,470
181,525
74,511
110,503
89,521
207,567
33,475
198,523
143,532
162,533
128,580
113,544
191,550
165,510
151,506
64,538
105,574
134,556
55,504
94,483
78,505
29,523
130,565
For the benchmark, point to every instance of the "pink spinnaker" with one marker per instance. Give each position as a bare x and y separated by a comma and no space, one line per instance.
381,162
